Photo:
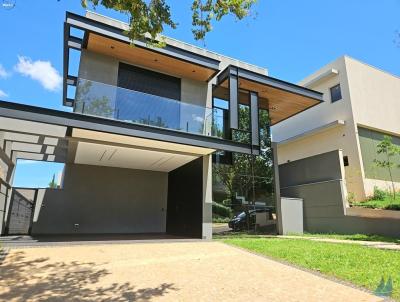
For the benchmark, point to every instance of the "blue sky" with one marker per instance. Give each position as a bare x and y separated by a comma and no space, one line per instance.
292,38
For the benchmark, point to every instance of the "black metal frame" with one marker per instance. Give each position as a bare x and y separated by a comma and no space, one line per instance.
269,81
76,120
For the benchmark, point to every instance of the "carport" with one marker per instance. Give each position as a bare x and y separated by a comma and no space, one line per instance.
113,182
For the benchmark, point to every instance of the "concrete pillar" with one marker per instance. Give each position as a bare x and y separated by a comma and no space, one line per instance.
277,188
207,197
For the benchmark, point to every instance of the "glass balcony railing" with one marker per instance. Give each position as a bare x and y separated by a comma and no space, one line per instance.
99,99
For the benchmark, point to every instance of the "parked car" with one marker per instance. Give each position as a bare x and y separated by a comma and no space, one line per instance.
241,222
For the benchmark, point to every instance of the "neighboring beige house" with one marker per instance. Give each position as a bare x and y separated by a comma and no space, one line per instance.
362,104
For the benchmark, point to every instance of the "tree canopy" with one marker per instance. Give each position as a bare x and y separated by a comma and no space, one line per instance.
149,17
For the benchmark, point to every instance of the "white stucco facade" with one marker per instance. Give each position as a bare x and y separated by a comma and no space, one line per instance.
370,99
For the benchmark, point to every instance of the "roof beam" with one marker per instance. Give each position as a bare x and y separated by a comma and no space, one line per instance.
269,81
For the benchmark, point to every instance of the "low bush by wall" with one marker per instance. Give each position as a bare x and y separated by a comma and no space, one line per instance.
221,210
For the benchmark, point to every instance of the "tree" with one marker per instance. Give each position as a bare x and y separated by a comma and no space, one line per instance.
148,18
389,151
52,183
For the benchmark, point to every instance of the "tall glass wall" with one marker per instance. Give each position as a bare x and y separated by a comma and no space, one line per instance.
243,184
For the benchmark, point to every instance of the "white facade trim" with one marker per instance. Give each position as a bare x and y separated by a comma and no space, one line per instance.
313,131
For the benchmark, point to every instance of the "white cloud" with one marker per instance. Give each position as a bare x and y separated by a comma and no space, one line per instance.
41,71
3,72
3,94
197,118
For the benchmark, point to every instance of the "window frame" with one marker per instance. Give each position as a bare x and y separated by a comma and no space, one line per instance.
331,94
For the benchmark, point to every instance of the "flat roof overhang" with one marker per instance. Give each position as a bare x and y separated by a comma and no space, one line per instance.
72,121
282,99
112,41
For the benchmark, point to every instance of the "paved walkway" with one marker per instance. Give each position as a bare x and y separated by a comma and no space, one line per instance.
375,244
172,271
23,241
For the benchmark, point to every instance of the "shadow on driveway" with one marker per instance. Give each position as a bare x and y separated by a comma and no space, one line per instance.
38,279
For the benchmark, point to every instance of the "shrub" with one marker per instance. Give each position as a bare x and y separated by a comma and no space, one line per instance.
351,198
221,219
379,194
221,210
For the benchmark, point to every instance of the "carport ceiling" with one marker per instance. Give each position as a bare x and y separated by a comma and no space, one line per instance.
131,158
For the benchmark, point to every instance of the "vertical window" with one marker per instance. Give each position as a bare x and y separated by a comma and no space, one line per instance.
346,161
336,93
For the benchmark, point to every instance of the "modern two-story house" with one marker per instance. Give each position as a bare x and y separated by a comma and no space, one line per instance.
148,129
362,105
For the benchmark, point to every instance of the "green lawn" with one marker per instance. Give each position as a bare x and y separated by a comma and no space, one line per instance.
355,237
386,204
357,264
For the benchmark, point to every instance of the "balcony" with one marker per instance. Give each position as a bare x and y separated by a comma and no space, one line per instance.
108,101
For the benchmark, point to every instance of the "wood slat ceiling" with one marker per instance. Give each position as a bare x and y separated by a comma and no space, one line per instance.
281,103
244,98
147,58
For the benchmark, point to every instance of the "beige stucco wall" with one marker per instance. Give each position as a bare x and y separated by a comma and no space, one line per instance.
343,137
370,184
375,97
321,114
370,98
99,68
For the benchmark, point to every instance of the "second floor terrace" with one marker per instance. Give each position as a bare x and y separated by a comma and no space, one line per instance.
179,87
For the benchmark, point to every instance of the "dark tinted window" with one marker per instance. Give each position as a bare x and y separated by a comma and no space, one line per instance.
147,81
336,93
345,161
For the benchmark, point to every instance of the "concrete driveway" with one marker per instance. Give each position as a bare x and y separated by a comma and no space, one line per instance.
172,271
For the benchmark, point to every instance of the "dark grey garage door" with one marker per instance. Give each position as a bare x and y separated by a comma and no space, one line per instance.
20,215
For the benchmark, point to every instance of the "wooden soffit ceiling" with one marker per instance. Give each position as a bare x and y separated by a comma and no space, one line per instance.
148,58
282,104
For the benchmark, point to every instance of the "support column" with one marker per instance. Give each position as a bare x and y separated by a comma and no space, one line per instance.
233,100
277,188
207,197
255,136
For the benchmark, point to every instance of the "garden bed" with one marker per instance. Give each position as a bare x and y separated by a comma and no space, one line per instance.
386,204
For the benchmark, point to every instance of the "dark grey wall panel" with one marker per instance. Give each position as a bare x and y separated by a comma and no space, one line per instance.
105,200
255,129
185,200
324,212
317,168
233,102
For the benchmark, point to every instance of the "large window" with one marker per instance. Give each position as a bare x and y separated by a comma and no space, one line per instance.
243,186
369,140
147,81
336,93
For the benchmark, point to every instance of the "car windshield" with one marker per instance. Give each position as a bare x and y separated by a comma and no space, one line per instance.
241,215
